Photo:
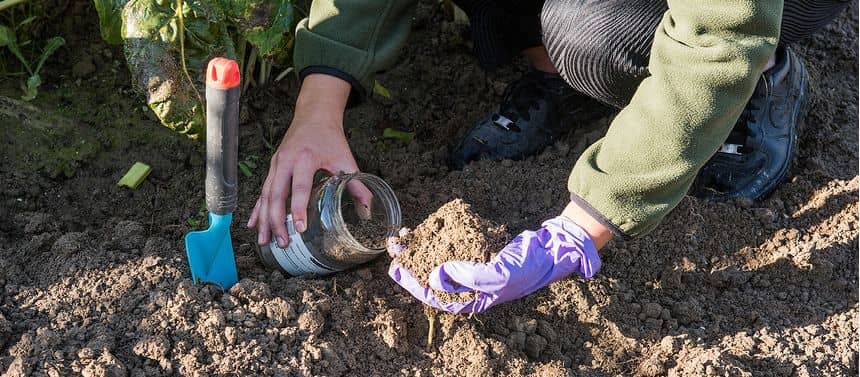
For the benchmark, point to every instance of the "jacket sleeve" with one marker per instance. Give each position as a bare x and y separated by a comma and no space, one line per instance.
705,61
352,39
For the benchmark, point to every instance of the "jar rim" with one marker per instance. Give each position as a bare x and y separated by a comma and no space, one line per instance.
380,190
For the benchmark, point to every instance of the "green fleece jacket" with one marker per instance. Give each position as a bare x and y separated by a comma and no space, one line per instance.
705,61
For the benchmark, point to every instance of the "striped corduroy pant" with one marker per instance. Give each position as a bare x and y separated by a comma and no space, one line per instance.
601,47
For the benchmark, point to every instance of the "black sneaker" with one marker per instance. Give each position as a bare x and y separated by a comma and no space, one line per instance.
758,153
535,111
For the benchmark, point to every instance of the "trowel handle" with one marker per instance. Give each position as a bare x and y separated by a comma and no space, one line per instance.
222,135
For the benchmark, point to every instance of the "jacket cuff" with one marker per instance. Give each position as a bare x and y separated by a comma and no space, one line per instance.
343,60
603,220
356,95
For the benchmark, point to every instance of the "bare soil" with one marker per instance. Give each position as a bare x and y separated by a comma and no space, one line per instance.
94,280
452,233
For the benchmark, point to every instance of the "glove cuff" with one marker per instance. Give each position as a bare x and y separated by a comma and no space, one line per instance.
575,239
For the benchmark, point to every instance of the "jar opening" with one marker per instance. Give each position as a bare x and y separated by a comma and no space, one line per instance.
366,214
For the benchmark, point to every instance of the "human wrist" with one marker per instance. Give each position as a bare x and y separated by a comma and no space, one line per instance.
599,233
322,99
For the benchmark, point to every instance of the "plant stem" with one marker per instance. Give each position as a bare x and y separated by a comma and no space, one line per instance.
10,3
249,68
240,53
182,48
262,72
431,324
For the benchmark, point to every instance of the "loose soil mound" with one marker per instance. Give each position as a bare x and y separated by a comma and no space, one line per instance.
94,281
453,233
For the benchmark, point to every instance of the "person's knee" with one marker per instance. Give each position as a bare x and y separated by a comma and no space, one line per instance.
569,45
600,48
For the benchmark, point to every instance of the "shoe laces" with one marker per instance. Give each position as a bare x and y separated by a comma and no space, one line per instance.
519,98
738,141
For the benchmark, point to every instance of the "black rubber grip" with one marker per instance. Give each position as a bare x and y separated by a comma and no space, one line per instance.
222,149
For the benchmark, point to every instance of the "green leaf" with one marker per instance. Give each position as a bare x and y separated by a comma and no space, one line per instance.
8,39
250,164
7,36
26,21
110,19
404,136
151,46
31,89
245,170
381,90
149,31
265,24
50,47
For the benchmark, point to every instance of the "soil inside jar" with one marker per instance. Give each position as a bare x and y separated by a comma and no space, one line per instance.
369,226
369,232
453,233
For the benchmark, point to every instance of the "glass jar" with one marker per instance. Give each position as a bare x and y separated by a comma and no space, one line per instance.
342,231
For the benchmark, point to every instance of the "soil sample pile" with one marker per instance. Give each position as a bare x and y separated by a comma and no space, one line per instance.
453,233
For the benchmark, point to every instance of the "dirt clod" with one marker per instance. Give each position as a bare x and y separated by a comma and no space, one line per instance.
524,325
652,310
155,347
453,233
312,321
517,340
535,345
546,330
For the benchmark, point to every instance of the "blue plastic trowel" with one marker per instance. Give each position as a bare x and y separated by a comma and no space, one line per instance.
210,252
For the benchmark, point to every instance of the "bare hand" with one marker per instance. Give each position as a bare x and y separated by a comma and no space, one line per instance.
315,141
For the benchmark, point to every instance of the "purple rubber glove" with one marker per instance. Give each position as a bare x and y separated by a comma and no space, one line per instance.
532,260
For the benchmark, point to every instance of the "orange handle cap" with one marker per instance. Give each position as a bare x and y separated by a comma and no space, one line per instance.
223,73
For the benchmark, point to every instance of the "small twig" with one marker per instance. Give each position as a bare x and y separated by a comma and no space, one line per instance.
475,302
631,360
283,74
431,324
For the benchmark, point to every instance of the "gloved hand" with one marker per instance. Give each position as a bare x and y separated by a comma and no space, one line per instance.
529,262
